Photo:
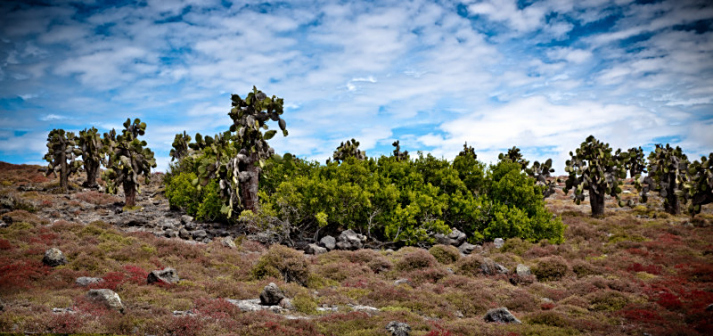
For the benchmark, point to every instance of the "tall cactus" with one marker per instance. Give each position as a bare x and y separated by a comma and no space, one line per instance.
348,149
541,173
398,154
667,169
128,160
180,146
593,168
635,163
514,155
93,152
697,185
61,154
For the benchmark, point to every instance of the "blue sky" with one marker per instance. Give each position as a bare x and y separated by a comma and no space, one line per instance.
540,75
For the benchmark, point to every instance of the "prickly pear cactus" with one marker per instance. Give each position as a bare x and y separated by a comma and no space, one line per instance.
398,154
128,161
468,151
667,167
541,173
514,155
180,146
697,185
62,153
348,149
635,163
593,168
93,154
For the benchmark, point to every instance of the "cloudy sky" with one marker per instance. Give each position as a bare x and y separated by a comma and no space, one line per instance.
540,75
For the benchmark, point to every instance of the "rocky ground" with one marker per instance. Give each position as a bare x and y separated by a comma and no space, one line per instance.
80,262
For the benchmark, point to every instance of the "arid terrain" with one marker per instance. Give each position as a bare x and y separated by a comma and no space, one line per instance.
636,271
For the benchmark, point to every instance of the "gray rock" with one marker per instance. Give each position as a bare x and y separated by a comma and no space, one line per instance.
107,297
199,234
86,281
398,328
286,304
327,309
206,240
185,219
350,240
183,313
254,305
501,269
710,307
169,224
522,270
184,234
457,237
170,233
403,282
54,257
167,275
365,309
499,242
328,242
315,249
132,219
500,315
467,248
271,295
63,310
228,242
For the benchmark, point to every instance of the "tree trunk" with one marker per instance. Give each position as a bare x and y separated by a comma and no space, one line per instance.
596,200
671,204
92,174
130,194
249,188
63,172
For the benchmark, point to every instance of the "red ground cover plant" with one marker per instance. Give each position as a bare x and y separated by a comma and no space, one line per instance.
20,274
651,269
5,245
65,323
130,274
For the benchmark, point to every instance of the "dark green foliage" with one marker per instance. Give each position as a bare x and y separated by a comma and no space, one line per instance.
347,150
93,152
128,161
283,263
593,168
445,254
697,185
180,146
667,169
514,155
61,154
181,193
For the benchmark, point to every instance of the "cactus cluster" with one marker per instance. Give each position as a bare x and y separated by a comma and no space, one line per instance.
666,170
348,149
128,160
593,168
697,185
62,154
514,155
398,154
541,173
634,162
180,146
93,154
468,151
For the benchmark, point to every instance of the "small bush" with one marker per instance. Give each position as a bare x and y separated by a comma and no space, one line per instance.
516,246
284,263
445,254
551,268
607,300
471,265
583,268
548,318
416,260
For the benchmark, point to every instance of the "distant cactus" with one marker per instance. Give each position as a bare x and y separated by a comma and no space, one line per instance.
697,185
593,168
61,155
398,154
667,168
514,155
348,149
93,152
541,173
128,160
180,146
635,162
468,151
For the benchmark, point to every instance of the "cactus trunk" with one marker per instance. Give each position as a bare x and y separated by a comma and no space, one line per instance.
249,187
596,200
130,194
92,174
671,204
63,173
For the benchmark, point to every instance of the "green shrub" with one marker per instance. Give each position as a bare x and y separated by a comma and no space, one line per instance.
416,260
211,203
550,268
516,246
471,265
548,318
284,263
583,268
607,300
304,303
445,254
181,193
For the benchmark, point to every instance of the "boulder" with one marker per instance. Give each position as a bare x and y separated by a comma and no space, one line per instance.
185,219
170,233
398,328
350,240
499,242
467,248
403,281
364,309
254,305
315,249
228,242
86,281
184,234
167,275
500,315
522,270
199,234
169,224
271,295
328,242
455,238
107,297
501,269
54,257
286,304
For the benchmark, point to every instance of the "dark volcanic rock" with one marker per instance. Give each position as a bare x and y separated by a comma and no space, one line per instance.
167,275
398,328
501,315
271,295
350,240
54,257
